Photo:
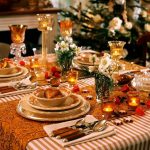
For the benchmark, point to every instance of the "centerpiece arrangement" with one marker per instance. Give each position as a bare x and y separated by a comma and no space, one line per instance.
65,50
103,76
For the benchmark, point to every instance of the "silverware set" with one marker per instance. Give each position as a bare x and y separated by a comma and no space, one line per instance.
79,129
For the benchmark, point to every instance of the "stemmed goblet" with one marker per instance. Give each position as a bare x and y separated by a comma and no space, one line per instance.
17,46
116,51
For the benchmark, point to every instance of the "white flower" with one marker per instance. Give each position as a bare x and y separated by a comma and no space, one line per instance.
136,13
120,2
63,45
115,23
69,39
128,25
56,47
73,46
104,64
147,27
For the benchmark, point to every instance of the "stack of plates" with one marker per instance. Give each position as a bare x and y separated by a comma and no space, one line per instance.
74,107
83,59
19,73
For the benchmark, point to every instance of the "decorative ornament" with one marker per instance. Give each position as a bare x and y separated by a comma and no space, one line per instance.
140,111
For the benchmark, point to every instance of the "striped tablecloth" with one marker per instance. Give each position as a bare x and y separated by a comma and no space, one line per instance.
129,136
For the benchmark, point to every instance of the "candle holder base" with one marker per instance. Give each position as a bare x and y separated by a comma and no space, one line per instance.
17,50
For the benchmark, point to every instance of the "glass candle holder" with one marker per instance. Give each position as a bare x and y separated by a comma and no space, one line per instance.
66,27
72,77
133,99
17,37
45,24
39,73
107,109
116,49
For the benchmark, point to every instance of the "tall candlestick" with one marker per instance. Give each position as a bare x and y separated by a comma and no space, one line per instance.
45,24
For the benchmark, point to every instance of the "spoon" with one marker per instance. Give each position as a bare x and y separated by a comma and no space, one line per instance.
98,127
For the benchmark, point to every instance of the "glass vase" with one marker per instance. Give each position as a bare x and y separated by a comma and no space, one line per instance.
103,85
66,66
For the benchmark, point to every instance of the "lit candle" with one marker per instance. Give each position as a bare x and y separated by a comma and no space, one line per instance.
73,77
134,101
108,109
72,80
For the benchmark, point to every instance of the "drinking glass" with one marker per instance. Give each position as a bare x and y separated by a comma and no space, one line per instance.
17,46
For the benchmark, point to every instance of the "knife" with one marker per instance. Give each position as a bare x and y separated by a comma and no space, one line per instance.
68,133
77,135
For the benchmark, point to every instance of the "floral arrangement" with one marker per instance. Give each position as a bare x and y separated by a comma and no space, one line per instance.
103,75
65,50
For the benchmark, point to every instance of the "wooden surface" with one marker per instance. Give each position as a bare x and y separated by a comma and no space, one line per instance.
25,11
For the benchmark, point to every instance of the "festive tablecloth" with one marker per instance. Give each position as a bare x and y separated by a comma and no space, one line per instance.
18,133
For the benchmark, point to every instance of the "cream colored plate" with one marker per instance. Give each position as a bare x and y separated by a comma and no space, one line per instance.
77,60
69,103
25,110
16,77
19,71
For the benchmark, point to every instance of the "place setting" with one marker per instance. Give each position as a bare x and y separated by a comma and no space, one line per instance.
79,131
86,58
10,71
53,104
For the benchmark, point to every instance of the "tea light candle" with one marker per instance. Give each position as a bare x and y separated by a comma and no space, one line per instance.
108,109
134,101
73,77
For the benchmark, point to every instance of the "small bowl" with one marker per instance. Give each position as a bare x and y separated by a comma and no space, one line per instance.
51,102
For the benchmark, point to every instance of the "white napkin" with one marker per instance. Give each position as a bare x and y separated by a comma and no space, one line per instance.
25,81
109,131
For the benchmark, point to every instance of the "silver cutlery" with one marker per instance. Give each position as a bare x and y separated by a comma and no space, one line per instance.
80,125
98,127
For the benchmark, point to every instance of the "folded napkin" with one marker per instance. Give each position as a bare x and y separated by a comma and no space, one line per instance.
25,81
109,131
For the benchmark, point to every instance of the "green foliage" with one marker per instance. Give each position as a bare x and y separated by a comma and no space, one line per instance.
92,24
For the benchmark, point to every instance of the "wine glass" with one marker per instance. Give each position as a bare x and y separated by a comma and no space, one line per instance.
17,46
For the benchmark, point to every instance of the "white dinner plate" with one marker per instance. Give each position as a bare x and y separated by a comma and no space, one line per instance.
25,110
68,104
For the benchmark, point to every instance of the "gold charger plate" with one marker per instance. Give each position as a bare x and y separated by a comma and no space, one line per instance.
17,71
68,104
16,77
25,110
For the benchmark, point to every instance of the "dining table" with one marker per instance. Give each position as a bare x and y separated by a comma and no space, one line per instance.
20,133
